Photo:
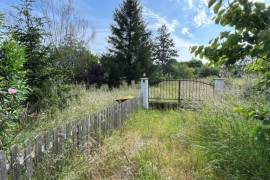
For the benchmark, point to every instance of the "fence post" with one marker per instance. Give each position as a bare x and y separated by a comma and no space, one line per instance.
144,92
55,140
3,168
28,159
219,85
15,164
38,150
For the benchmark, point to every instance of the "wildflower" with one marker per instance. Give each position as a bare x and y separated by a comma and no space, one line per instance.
12,91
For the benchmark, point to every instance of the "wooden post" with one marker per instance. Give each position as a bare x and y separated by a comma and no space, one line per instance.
91,126
82,125
62,137
78,134
74,136
68,132
3,167
28,159
38,150
46,141
55,140
15,165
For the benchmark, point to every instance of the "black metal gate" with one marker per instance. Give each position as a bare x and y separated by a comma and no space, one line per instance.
177,90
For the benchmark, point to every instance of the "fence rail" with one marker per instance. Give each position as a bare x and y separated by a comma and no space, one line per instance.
23,163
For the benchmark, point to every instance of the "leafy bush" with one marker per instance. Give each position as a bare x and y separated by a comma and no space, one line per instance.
206,71
75,60
13,88
181,70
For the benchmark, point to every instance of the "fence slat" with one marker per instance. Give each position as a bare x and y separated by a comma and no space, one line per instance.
38,149
86,123
55,140
28,158
46,138
3,167
98,126
78,133
62,137
68,132
15,165
74,135
83,136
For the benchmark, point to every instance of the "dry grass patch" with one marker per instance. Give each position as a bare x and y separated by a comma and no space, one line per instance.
88,101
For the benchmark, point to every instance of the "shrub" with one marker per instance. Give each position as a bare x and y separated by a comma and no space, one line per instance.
206,71
13,88
181,70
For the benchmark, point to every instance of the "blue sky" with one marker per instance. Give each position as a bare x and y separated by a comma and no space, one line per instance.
189,21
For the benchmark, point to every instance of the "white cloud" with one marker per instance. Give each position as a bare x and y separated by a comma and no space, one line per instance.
190,3
185,31
263,1
183,47
201,18
205,2
160,20
181,44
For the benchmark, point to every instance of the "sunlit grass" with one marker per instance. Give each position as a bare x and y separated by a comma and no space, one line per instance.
213,142
88,101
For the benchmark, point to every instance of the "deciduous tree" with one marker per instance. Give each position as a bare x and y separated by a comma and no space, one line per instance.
249,37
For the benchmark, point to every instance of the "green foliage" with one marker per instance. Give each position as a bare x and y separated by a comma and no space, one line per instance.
195,63
12,77
130,42
182,71
164,50
29,31
112,74
75,61
231,147
249,37
206,71
42,74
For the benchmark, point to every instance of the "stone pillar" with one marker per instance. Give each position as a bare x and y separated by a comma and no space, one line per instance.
144,92
219,86
133,84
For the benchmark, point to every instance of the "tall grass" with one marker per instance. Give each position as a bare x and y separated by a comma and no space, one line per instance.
85,102
215,142
230,141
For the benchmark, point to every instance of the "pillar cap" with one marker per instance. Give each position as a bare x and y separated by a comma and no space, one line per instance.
144,78
219,78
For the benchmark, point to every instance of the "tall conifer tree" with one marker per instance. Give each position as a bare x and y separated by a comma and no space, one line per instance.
164,49
130,41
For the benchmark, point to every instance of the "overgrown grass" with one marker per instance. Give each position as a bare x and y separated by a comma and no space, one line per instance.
87,101
213,143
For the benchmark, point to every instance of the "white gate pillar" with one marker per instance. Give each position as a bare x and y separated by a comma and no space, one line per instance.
144,92
219,86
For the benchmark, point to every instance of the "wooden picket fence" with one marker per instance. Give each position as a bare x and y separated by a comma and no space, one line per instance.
21,163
